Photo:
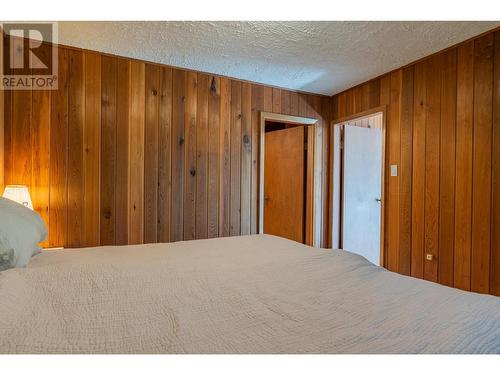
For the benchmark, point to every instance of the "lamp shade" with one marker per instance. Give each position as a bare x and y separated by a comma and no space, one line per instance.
19,194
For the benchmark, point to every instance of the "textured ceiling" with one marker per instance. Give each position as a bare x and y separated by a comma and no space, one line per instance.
317,57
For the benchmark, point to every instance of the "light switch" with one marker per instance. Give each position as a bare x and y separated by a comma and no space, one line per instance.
394,170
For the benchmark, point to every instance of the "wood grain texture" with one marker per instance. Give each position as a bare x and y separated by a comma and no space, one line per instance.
202,157
450,120
246,157
152,97
165,156
76,120
225,157
432,149
213,157
178,154
190,163
406,145
235,149
481,169
136,148
495,204
447,168
108,150
58,188
122,151
463,170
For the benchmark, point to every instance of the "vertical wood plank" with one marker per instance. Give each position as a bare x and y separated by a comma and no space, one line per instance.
40,126
92,150
213,156
285,102
122,150
58,155
178,154
136,148
394,154
257,107
164,156
235,157
405,214
294,103
202,157
76,119
190,149
21,136
151,153
447,169
432,147
108,150
246,157
481,178
276,100
8,125
224,157
495,196
463,170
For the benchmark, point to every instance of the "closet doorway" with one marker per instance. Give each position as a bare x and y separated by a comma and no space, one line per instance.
287,167
358,181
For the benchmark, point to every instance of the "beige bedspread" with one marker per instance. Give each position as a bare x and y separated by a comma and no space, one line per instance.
252,294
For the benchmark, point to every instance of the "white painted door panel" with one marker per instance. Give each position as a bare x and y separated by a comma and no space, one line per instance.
362,191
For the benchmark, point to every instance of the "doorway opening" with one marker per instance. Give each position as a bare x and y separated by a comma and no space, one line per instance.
287,203
358,184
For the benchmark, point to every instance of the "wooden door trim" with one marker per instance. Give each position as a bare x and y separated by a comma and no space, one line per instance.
295,120
360,115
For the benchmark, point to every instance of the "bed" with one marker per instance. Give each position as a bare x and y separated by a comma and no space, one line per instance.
249,294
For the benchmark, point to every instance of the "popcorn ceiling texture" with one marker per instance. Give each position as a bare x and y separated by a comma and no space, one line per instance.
317,57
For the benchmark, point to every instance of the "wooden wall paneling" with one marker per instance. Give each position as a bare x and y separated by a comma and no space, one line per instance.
152,79
178,154
21,136
393,150
276,100
235,157
122,151
385,99
374,100
405,214
447,169
224,157
481,179
202,157
190,158
76,121
246,157
418,171
7,137
294,104
257,107
463,168
2,140
495,216
58,154
432,148
164,155
349,102
136,149
108,150
92,150
285,102
40,125
213,156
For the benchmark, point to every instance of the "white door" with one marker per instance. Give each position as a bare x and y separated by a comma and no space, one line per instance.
362,191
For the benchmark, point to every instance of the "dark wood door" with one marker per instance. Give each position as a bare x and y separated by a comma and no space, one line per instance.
284,167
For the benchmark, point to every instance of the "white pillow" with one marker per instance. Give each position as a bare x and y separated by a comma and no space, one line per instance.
21,229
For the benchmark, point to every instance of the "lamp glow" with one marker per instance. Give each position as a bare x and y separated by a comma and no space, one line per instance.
19,194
